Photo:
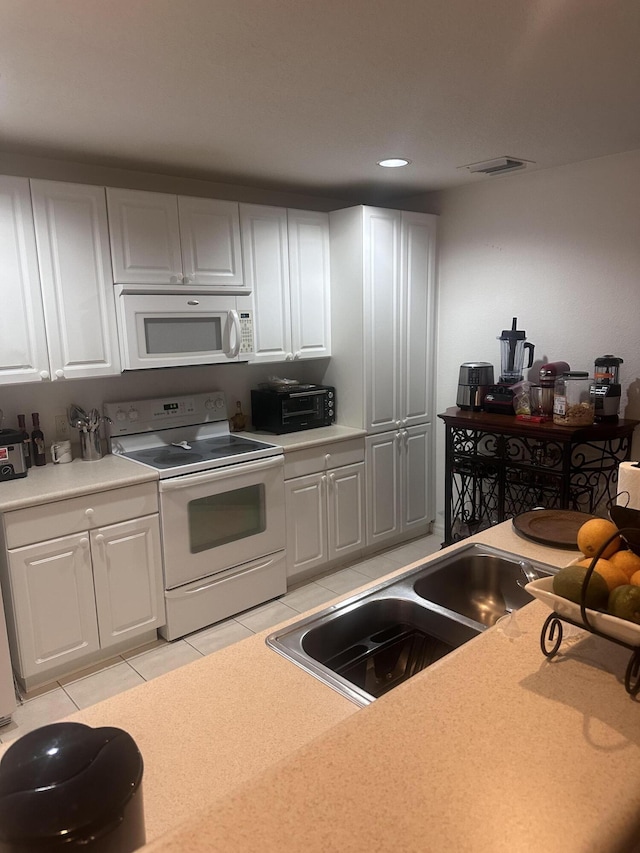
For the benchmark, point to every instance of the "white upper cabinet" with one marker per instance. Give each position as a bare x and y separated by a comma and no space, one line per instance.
310,283
23,348
158,238
383,286
210,237
266,259
75,271
286,255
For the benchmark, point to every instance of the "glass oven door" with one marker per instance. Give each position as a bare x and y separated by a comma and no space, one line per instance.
219,519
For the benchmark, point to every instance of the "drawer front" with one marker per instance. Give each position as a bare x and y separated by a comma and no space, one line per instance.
311,460
74,515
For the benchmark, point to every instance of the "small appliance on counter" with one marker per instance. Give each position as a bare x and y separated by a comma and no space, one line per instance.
548,374
473,383
513,345
12,461
605,390
287,406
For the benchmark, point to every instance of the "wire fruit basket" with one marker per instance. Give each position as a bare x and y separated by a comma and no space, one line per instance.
621,631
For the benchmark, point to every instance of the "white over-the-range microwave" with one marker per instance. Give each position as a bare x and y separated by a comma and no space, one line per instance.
173,329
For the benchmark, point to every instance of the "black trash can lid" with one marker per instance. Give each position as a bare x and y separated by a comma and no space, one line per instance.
65,782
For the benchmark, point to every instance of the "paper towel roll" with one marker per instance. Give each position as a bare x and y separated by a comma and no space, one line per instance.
629,485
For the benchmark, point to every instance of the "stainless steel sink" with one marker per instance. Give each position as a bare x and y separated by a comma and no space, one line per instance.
371,642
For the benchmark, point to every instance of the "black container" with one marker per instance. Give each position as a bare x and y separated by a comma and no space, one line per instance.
69,787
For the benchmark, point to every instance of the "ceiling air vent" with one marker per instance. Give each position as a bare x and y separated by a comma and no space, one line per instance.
495,167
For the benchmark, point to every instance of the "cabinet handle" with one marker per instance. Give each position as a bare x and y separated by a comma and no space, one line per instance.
398,424
289,356
297,355
327,458
44,374
84,542
60,373
99,538
89,513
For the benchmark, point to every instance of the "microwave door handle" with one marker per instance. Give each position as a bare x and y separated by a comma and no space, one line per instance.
232,351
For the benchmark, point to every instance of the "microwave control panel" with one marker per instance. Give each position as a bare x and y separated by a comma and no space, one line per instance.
246,332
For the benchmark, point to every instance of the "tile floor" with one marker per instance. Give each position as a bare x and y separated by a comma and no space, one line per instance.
79,691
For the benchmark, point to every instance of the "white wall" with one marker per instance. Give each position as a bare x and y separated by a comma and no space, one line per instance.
558,249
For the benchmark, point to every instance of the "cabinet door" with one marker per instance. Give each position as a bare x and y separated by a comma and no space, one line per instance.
382,318
23,343
210,239
145,237
266,268
416,500
417,323
345,513
383,486
305,503
77,288
310,285
53,602
127,572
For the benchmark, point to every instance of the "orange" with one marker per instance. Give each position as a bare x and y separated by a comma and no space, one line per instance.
635,579
613,576
593,534
627,561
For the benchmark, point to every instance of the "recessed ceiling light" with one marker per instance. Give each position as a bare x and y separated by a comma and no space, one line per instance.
393,162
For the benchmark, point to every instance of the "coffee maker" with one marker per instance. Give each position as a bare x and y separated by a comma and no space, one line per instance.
513,345
605,390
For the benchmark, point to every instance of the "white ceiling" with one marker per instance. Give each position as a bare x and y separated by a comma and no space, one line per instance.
307,95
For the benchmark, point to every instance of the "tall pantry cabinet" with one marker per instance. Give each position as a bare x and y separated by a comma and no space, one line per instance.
383,326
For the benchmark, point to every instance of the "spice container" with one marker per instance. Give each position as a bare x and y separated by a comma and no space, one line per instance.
572,402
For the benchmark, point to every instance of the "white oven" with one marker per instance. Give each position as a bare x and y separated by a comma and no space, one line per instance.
173,329
222,515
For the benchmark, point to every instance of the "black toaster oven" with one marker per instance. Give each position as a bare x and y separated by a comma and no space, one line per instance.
293,408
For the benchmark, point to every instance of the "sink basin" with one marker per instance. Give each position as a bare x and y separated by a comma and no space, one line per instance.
482,586
369,643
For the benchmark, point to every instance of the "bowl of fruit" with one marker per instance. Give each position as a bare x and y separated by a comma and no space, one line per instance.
600,590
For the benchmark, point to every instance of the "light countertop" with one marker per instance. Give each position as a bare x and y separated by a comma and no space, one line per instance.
57,482
492,748
307,437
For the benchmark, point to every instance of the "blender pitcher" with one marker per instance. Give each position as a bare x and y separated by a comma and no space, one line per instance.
512,350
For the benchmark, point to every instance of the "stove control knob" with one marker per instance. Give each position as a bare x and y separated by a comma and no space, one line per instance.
120,415
209,403
133,414
219,402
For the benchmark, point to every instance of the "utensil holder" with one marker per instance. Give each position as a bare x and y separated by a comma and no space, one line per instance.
91,445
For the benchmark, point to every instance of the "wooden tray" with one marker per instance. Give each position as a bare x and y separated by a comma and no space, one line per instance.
555,527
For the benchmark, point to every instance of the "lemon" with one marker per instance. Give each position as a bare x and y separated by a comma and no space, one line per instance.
627,561
624,602
568,584
593,534
613,575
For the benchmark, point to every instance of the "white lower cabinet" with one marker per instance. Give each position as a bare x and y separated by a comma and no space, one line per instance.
399,494
325,511
79,597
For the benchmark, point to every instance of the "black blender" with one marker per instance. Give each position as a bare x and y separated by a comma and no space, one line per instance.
513,345
606,391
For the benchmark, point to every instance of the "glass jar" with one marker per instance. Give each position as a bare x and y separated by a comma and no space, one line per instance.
572,403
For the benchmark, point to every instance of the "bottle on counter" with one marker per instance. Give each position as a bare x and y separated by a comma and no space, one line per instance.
37,441
26,441
239,420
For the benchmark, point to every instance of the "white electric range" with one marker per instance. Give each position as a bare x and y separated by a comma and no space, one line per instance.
221,498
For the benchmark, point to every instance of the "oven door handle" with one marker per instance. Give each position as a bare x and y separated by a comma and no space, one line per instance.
189,480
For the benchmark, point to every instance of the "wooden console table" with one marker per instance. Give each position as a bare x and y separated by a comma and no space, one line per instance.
497,467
